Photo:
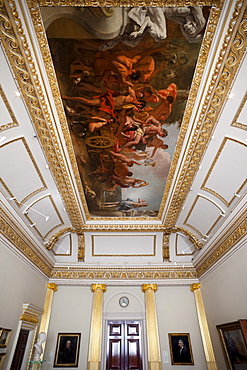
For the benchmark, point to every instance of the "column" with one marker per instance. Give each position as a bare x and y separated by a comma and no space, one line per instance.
154,358
45,319
94,354
207,344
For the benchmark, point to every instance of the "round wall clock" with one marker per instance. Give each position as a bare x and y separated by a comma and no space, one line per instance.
124,301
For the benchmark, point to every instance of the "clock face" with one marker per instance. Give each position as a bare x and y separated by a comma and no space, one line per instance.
124,301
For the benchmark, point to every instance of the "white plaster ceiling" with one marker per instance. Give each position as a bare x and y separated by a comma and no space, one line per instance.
33,195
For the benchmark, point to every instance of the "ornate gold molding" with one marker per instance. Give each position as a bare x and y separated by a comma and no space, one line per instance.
192,237
29,318
52,286
108,3
124,274
19,240
234,234
54,238
195,286
229,59
146,287
95,287
81,248
17,50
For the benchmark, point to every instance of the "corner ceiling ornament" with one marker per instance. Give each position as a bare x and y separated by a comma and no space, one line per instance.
229,59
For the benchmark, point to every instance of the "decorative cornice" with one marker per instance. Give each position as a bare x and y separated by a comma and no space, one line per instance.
124,274
18,239
146,287
234,234
95,287
227,65
52,286
195,286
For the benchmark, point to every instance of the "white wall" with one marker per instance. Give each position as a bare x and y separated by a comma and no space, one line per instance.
176,311
71,313
19,284
225,297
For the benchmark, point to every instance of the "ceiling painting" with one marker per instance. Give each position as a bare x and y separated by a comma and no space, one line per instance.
124,76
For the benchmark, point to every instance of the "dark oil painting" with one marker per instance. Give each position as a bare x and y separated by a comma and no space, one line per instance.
124,75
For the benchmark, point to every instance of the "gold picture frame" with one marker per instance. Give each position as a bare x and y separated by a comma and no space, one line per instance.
67,350
180,349
233,339
4,337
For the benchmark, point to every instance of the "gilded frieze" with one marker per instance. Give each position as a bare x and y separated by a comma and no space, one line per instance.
124,274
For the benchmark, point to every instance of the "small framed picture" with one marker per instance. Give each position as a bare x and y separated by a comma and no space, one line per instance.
180,349
2,357
233,338
67,350
4,337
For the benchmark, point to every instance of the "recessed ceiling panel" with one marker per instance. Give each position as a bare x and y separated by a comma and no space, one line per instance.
202,215
228,172
17,162
124,76
123,245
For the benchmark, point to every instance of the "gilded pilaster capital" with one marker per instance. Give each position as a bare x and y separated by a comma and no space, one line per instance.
52,286
195,286
29,318
95,287
146,287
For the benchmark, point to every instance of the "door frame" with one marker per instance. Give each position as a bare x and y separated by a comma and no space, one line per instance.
124,316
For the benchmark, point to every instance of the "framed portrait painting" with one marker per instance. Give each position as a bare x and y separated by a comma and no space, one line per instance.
180,349
234,345
67,350
4,337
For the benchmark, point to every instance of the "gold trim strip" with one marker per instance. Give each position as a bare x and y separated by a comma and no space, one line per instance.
235,122
29,318
126,3
14,122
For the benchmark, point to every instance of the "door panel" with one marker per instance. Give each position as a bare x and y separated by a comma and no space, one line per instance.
124,345
20,350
